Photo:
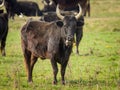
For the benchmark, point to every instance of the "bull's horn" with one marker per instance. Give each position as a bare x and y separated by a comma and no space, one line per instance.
44,2
2,4
51,2
58,12
80,12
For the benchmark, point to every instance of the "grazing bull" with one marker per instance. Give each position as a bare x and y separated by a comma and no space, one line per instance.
85,4
52,40
27,8
3,31
72,5
49,17
49,6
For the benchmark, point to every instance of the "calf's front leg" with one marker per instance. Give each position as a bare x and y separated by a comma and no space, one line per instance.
63,68
55,70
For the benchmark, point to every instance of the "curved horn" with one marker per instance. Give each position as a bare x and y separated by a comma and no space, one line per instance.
51,2
58,12
80,12
2,4
44,2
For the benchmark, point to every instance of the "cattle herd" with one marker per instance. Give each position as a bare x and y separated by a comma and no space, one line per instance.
50,37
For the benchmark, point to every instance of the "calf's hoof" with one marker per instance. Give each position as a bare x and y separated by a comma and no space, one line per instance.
54,82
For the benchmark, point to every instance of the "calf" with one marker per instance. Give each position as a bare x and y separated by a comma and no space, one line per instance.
3,31
52,40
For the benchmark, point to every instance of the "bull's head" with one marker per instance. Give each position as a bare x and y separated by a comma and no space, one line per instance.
2,4
69,25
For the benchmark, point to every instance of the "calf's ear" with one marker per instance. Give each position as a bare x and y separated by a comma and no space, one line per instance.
59,23
81,23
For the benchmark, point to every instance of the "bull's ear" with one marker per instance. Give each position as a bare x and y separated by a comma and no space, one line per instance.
59,23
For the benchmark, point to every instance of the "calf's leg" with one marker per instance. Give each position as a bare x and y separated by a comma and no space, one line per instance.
27,60
33,61
63,68
79,34
55,70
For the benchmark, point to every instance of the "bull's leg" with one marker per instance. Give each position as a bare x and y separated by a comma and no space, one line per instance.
79,34
55,70
7,11
63,68
3,47
85,12
27,60
88,9
11,15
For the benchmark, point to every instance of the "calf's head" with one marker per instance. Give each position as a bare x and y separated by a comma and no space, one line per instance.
69,25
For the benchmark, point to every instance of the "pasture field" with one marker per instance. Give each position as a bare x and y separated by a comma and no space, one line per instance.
96,68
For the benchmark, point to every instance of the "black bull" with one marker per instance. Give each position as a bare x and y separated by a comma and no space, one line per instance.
3,31
50,5
49,17
52,40
27,8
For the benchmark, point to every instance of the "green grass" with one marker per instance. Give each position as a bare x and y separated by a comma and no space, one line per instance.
97,67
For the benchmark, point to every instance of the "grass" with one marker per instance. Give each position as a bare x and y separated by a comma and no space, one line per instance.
97,67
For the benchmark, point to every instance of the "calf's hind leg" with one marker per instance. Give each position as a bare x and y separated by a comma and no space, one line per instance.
27,61
33,61
30,61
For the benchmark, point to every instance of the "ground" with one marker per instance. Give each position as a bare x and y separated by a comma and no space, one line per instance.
97,67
